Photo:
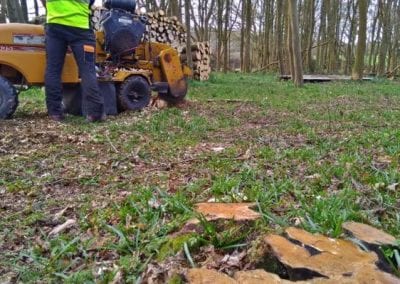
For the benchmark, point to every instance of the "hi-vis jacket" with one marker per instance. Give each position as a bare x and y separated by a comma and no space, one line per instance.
73,13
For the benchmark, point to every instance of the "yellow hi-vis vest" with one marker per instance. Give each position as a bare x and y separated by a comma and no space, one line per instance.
73,13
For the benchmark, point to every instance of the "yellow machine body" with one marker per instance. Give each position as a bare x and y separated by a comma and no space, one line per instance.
23,55
23,60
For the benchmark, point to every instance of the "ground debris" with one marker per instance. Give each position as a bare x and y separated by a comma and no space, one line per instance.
68,224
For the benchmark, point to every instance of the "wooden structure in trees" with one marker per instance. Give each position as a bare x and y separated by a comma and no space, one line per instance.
323,78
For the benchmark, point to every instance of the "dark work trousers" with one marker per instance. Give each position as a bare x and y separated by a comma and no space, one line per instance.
82,43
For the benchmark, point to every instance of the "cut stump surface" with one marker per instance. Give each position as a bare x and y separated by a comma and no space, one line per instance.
235,211
368,234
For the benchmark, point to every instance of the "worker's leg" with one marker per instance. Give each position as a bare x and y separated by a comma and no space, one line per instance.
84,49
56,48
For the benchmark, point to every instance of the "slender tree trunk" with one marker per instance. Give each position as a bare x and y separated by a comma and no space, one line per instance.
24,11
385,38
358,69
242,35
14,11
279,36
219,34
3,11
297,75
226,36
373,41
309,19
322,37
247,50
396,39
36,7
267,31
188,33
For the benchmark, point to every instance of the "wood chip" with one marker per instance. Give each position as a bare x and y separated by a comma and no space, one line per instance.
68,224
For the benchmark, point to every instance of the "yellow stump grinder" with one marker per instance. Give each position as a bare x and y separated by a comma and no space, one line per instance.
128,69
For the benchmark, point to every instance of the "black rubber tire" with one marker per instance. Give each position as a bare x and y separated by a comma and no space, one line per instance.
72,99
134,94
8,99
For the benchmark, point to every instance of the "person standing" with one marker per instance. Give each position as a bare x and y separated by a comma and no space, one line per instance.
68,25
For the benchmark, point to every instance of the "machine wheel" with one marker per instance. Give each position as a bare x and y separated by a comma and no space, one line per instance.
8,99
134,93
72,99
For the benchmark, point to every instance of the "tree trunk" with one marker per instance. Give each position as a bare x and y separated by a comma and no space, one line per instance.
297,76
358,69
385,17
279,36
24,10
219,34
226,36
3,11
247,49
242,30
14,11
188,34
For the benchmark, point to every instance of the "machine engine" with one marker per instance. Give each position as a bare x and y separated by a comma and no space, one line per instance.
123,29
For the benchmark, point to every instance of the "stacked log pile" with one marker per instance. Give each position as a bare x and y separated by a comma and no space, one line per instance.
201,60
159,28
97,12
163,29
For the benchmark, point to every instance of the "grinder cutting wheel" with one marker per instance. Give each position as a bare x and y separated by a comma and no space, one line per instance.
128,69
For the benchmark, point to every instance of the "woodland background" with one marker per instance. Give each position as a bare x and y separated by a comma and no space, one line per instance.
253,35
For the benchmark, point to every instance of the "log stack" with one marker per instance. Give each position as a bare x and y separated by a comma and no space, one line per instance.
200,59
163,29
97,12
159,28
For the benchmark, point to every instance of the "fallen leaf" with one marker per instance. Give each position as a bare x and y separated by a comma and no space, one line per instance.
59,214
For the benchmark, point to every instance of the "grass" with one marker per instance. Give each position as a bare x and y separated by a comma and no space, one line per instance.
313,157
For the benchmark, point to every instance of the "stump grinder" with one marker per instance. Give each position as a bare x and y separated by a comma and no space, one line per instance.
128,68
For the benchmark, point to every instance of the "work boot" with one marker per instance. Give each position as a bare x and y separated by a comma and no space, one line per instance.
96,118
57,117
